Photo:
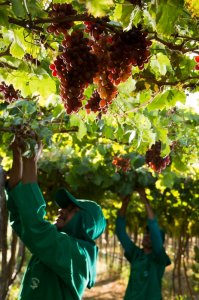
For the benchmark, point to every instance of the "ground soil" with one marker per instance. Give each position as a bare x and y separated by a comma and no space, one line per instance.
108,286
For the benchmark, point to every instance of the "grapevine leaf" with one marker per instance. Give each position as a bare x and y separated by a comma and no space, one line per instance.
160,64
122,13
98,8
18,8
17,50
178,164
135,18
74,120
166,15
127,87
167,180
82,130
45,134
38,87
108,132
3,17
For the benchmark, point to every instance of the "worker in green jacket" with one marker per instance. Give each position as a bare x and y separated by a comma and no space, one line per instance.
147,263
64,254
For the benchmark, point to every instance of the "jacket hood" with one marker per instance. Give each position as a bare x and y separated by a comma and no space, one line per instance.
87,224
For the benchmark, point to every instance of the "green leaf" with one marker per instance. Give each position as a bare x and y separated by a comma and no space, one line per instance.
142,122
108,132
122,13
26,107
159,64
57,111
127,87
167,13
45,134
167,100
17,50
21,81
98,8
178,164
136,17
167,180
82,130
3,17
74,120
38,87
18,8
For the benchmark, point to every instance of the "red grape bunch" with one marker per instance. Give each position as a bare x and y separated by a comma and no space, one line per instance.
154,159
60,11
118,53
122,163
105,57
96,104
96,29
196,58
9,93
75,67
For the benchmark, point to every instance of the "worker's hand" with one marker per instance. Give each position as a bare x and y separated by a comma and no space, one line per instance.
142,193
15,146
143,197
125,202
29,174
38,150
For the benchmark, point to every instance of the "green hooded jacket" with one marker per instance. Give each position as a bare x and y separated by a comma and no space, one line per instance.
147,270
62,265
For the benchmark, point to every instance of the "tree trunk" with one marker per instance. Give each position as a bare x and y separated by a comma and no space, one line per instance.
3,236
9,268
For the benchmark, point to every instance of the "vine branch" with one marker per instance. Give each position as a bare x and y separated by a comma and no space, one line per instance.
6,65
171,83
6,52
5,3
32,24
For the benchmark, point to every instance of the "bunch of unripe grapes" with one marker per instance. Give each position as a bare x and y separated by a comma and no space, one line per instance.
122,164
104,58
9,93
154,159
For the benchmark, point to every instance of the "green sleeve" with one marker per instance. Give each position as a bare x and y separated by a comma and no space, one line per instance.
14,217
131,251
157,243
55,249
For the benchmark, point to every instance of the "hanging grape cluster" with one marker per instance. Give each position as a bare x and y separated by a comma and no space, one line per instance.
96,104
196,58
154,159
103,57
9,93
122,163
75,68
61,11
